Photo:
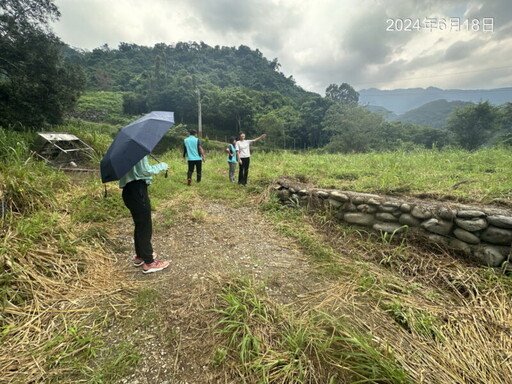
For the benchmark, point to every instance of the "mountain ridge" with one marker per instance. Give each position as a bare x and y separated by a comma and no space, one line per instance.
402,100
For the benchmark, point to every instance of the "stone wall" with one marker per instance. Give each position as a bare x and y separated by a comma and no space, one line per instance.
480,232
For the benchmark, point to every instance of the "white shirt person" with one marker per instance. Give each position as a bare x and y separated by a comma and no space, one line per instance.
243,152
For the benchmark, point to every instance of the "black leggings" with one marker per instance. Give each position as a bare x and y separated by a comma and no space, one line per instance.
136,199
243,170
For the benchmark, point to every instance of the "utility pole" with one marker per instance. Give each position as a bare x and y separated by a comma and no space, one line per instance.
199,117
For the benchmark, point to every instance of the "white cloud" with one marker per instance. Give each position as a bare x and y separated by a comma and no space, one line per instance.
322,42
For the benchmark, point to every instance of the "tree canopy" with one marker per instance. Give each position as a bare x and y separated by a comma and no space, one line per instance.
473,125
343,93
36,86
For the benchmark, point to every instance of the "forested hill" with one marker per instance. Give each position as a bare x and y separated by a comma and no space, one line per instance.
198,65
238,89
434,114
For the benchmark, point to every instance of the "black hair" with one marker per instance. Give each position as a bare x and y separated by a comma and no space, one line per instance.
231,139
192,132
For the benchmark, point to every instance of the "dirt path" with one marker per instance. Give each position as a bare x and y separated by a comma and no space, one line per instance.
210,244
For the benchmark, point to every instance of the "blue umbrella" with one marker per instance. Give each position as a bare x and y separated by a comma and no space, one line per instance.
133,142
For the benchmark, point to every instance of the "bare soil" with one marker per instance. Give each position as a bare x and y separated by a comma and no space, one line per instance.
216,245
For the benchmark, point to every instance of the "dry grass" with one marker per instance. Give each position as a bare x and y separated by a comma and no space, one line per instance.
50,290
446,320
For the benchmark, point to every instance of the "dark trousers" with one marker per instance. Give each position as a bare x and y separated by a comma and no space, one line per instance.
198,164
136,199
243,170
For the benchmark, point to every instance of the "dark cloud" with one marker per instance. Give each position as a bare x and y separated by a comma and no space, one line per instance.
318,43
367,39
265,22
461,50
245,16
370,56
235,15
497,12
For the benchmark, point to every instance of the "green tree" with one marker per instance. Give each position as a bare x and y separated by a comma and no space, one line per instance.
36,86
473,125
313,109
273,126
505,123
293,126
343,93
238,107
26,14
352,128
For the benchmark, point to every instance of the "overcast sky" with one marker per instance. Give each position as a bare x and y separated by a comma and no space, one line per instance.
366,43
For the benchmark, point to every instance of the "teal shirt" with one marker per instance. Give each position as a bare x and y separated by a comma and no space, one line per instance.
191,149
233,151
142,171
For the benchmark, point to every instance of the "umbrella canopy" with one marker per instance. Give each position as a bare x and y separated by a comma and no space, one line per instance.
133,142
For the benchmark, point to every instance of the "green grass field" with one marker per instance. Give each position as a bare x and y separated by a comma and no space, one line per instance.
483,176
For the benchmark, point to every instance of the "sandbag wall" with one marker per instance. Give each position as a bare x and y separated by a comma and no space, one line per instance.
482,233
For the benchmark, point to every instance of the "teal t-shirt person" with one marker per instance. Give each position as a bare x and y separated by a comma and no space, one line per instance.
191,148
232,154
193,151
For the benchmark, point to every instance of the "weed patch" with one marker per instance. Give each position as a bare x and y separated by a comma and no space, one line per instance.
275,346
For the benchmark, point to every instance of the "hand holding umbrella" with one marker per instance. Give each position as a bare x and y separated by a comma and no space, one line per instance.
133,142
158,161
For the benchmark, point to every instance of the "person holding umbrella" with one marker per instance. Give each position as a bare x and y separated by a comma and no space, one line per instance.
136,198
126,160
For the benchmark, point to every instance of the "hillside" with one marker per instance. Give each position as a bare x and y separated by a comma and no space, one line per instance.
236,87
434,114
126,68
400,101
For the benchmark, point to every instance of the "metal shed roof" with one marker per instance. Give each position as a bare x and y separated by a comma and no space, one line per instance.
51,136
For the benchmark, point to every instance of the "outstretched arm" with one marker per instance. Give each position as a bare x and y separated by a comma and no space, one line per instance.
148,169
260,137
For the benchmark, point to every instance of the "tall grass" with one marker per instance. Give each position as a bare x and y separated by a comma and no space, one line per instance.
450,174
277,346
25,183
480,176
